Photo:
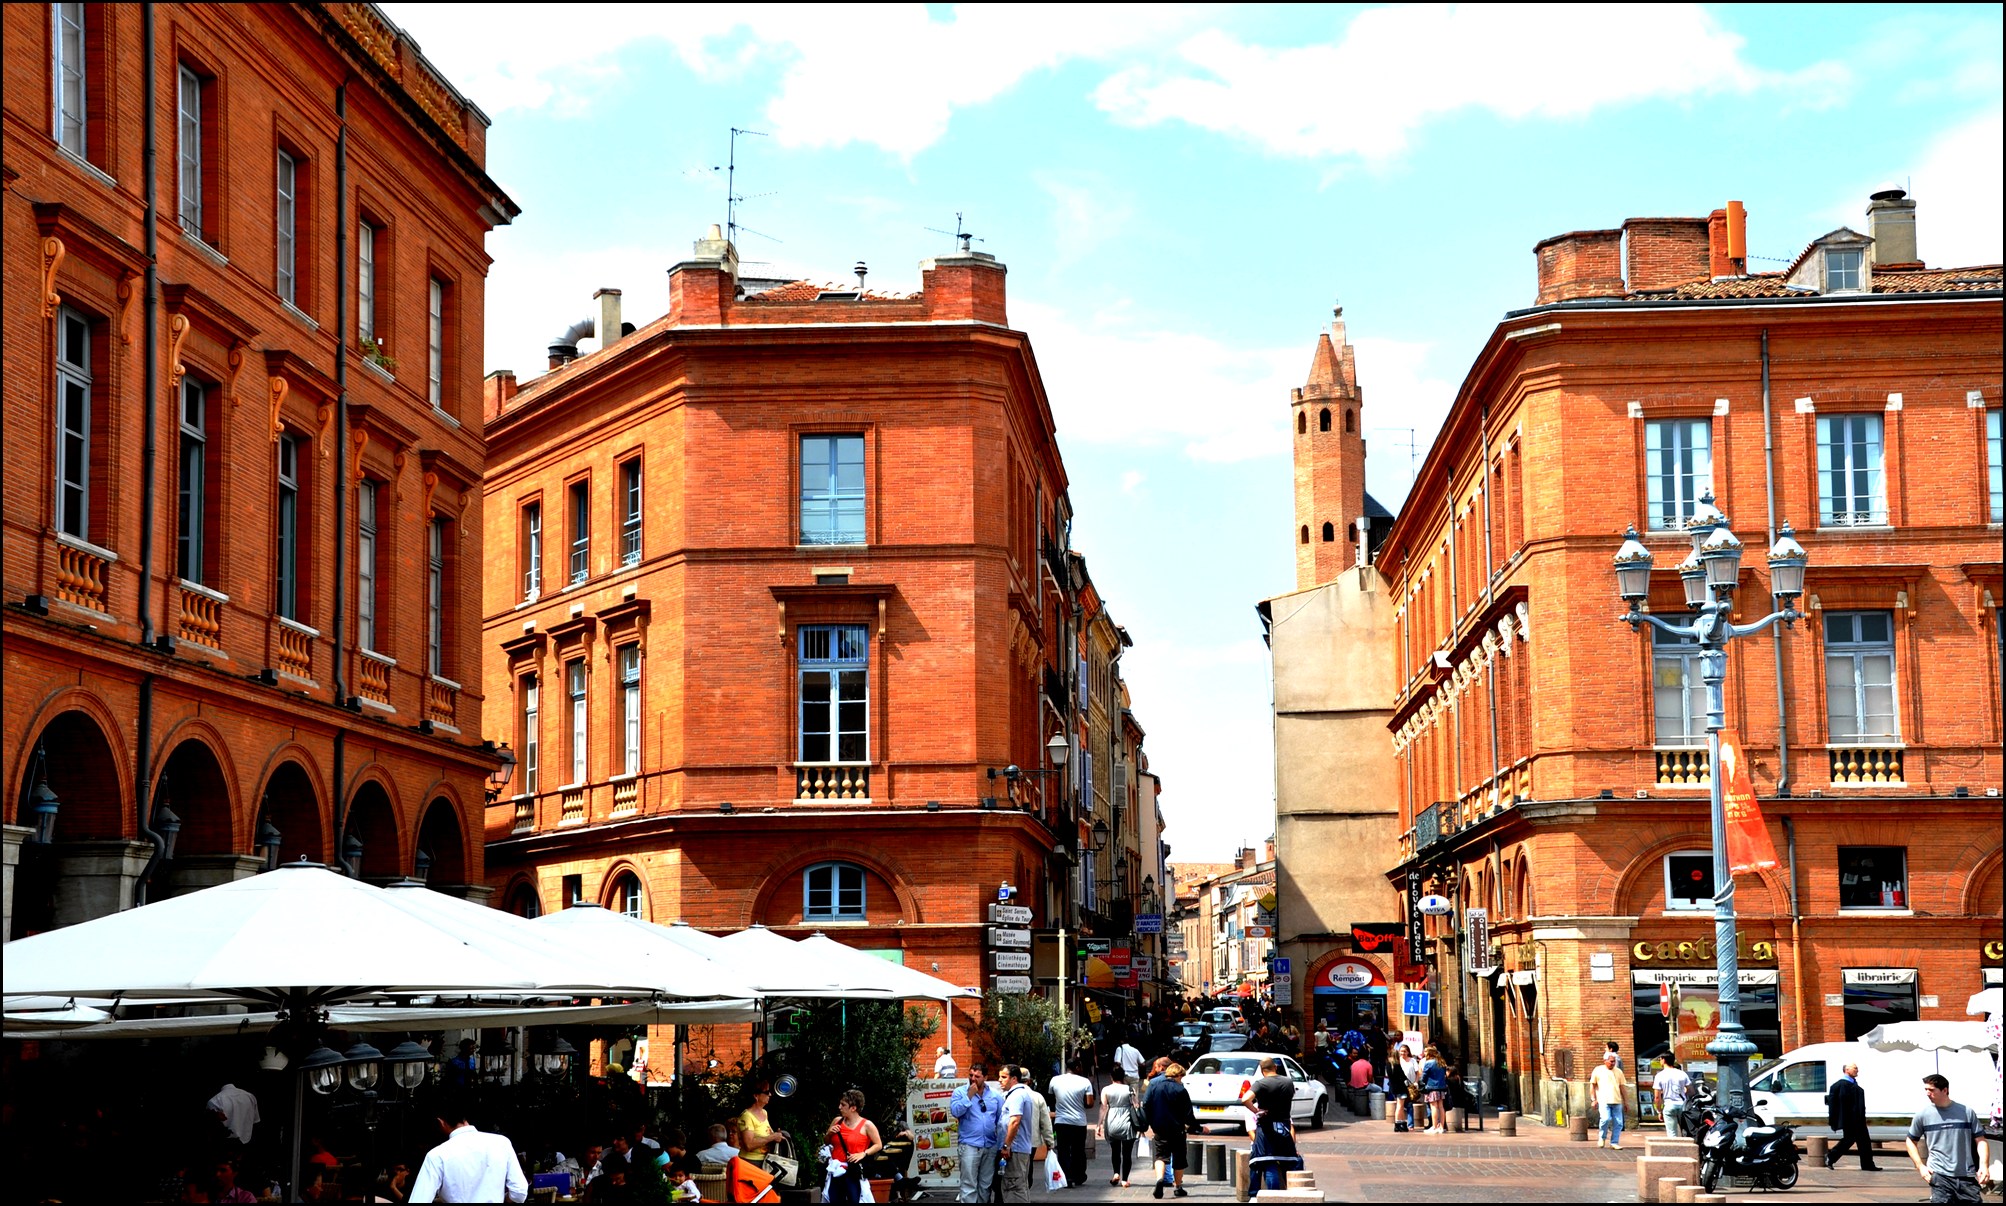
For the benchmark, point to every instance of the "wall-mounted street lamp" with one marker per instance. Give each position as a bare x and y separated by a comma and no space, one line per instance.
498,779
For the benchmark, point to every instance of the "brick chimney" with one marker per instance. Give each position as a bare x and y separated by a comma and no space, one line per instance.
701,287
1716,243
497,391
1582,263
1663,252
609,317
1891,224
968,287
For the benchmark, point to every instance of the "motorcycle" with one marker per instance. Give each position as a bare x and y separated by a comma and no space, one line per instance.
1740,1144
1701,1107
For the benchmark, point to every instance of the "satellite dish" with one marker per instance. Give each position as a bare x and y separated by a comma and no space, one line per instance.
785,1085
1435,906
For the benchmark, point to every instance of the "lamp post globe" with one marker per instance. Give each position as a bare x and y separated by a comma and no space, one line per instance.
363,1065
1787,560
1633,569
1058,749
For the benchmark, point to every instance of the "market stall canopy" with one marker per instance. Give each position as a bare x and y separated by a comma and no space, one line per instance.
299,934
901,981
98,1020
1931,1036
787,968
1985,1003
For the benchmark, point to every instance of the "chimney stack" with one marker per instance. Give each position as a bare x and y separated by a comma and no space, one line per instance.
1891,224
1662,253
1583,263
497,391
609,317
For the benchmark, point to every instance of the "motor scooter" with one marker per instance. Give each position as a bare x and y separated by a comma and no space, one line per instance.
1740,1144
1701,1108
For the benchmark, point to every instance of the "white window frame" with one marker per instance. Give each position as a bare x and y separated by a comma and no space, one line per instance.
532,574
435,357
630,512
1852,469
1858,656
365,285
1684,653
73,424
72,122
825,498
1854,267
578,500
286,229
192,485
837,889
365,565
630,708
1678,455
1996,488
287,577
1674,903
574,681
630,899
839,655
188,151
531,721
435,598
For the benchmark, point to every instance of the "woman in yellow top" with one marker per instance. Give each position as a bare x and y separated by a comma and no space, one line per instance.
755,1130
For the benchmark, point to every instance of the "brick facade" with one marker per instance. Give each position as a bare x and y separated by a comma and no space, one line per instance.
181,676
954,575
1538,783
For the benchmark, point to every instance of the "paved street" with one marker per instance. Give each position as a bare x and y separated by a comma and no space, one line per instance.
1366,1162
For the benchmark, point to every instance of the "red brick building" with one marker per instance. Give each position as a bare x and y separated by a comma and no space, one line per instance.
779,590
259,623
1554,761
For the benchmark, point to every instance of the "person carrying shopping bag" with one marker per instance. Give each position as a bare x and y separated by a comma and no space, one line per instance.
852,1138
1118,1126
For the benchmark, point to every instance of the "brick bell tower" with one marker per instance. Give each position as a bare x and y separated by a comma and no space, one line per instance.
1329,458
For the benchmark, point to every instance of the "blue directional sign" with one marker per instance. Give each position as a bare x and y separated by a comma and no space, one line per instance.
1414,1003
1149,923
1279,966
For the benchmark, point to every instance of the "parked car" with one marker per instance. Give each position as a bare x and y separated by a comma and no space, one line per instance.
1790,1090
1216,1083
1228,1040
1223,1018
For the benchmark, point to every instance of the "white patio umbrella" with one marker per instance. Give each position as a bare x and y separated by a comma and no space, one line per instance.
1985,1003
657,952
86,1022
1931,1036
896,978
784,967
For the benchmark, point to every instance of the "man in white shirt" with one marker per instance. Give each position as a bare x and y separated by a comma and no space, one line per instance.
1072,1096
720,1150
943,1064
1672,1085
238,1111
469,1166
1129,1060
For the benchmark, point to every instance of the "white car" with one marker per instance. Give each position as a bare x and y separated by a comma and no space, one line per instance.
1217,1082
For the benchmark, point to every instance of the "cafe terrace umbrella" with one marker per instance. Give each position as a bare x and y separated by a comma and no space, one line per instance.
1931,1036
97,1019
1985,1003
900,981
787,968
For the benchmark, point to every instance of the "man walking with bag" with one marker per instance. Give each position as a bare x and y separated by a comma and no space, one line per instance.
1072,1097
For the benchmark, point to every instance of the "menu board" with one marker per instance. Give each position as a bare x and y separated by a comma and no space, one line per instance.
936,1157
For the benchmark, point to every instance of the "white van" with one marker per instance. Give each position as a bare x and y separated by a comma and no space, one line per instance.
1791,1088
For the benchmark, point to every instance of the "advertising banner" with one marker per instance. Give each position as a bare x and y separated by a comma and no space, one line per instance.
1748,846
935,1156
1417,938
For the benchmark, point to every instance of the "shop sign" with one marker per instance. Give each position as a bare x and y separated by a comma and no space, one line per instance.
1348,976
1417,941
1373,937
1702,951
1259,931
1435,906
1994,951
1865,976
1693,976
1477,951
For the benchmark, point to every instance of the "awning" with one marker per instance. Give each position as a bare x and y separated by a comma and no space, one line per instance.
1874,977
1701,977
1523,977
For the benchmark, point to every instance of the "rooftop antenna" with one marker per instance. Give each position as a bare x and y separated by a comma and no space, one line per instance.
964,237
731,197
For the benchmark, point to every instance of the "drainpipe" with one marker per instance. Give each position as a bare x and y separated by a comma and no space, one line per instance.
340,452
150,390
1769,486
1796,930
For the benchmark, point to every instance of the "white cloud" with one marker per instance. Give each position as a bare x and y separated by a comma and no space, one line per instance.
889,76
1396,68
1131,481
1088,210
1956,186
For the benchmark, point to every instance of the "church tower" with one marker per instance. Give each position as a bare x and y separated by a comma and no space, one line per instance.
1329,434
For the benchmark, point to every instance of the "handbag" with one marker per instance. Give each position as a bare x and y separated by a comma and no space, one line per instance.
786,1169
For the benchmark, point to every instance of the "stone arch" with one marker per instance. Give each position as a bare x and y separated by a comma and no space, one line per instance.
521,894
1329,532
1643,878
1302,422
1982,888
374,818
617,874
1323,419
787,873
196,777
440,837
87,768
291,800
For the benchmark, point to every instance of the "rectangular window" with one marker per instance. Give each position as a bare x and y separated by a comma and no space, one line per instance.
435,599
435,360
532,552
1860,676
192,500
1842,269
1678,468
1689,880
73,424
529,733
1876,996
1677,690
1996,506
835,697
287,226
630,709
833,892
630,512
1873,877
188,148
581,531
289,505
832,489
69,77
365,565
1852,483
365,286
574,674
574,890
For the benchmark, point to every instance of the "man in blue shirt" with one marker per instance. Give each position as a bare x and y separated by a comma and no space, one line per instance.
1020,1134
978,1109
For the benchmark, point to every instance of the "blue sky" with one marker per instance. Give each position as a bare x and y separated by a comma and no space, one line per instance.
1181,193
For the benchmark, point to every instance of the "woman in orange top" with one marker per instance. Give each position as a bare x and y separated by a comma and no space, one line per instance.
852,1138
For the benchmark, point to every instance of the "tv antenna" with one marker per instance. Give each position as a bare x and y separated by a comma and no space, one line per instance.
964,237
731,197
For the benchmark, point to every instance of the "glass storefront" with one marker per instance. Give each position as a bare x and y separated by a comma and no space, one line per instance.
1699,1022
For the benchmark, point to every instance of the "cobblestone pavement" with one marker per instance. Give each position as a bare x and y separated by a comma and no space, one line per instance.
1358,1161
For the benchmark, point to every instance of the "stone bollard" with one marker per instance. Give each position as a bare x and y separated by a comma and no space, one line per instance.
1709,1199
1577,1128
1456,1119
1668,1188
1652,1169
1507,1123
1215,1162
1672,1147
1393,1111
1299,1179
1816,1147
1686,1192
1242,1179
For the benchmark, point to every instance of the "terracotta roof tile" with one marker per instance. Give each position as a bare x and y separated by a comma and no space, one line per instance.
796,291
1885,280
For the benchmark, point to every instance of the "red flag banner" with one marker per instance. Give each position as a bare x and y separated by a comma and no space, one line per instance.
1748,846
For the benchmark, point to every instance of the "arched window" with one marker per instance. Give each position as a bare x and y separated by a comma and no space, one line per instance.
1302,422
1350,423
1323,419
1329,533
628,898
523,902
1305,533
832,892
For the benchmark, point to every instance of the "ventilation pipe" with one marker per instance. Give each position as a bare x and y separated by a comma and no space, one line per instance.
564,348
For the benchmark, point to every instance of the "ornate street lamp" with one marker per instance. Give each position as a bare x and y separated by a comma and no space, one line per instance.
42,803
1710,576
269,839
1058,749
322,1069
409,1063
504,771
363,1065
